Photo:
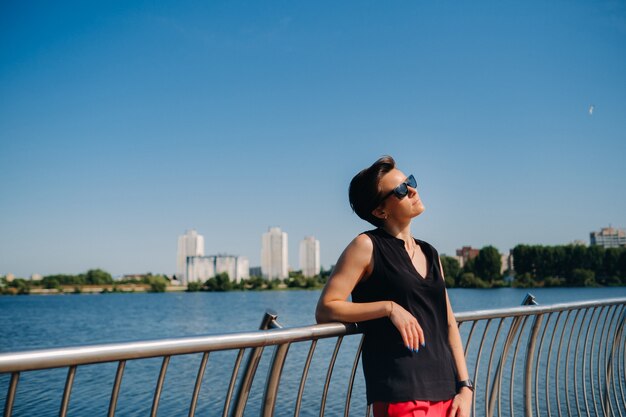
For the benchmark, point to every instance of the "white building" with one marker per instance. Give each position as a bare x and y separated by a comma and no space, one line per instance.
310,256
274,254
608,237
507,262
189,244
201,268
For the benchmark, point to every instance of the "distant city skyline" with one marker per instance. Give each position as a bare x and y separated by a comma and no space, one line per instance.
123,124
194,266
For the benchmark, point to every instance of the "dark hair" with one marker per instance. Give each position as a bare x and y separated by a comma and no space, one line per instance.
364,192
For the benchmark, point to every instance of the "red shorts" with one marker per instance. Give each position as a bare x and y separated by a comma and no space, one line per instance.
412,409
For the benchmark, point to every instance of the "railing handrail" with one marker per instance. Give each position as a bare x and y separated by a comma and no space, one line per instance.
535,309
110,352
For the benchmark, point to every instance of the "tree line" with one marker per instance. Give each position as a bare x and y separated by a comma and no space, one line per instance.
534,266
159,283
155,283
570,265
540,266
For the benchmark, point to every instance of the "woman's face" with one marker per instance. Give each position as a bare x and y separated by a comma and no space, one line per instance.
401,208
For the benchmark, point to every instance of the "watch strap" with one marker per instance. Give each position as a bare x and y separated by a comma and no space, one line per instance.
465,383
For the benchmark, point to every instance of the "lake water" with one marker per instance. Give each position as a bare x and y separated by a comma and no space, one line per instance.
35,322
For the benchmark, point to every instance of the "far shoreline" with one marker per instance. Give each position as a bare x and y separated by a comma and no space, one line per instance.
144,288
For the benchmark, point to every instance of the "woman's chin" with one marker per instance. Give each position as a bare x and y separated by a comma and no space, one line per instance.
419,209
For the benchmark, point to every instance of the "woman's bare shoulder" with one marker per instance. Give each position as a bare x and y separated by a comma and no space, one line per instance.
357,255
361,244
363,239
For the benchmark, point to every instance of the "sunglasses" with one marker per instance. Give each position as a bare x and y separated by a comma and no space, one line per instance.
403,189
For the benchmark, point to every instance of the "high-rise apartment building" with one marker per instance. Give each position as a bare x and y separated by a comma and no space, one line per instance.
310,256
608,237
201,268
189,244
274,254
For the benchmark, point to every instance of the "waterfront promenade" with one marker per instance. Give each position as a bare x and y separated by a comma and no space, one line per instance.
582,342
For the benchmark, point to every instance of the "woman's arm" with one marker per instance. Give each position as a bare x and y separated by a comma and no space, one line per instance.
354,264
456,345
463,400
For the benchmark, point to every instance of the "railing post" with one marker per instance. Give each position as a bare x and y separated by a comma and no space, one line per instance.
243,391
159,387
69,382
116,388
528,300
619,327
8,406
528,412
273,378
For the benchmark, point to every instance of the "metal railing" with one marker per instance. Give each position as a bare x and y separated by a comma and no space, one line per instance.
562,359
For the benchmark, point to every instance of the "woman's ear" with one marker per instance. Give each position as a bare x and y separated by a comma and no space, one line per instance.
380,213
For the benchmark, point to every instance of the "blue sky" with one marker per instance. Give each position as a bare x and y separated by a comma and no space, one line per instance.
122,124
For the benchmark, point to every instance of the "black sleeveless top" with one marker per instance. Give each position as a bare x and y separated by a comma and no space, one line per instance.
393,373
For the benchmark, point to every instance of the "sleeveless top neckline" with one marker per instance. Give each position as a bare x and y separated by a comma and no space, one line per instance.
423,247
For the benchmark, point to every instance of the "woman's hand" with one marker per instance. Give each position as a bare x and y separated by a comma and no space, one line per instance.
462,403
410,330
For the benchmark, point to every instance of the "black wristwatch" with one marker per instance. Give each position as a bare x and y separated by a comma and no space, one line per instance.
467,383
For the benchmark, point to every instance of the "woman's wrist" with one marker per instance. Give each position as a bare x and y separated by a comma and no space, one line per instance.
390,309
465,384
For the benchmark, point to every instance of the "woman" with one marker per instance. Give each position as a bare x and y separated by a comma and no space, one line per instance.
412,353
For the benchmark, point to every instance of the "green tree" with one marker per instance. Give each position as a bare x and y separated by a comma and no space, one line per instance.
594,259
223,282
469,280
524,280
273,284
611,261
613,281
469,266
621,265
254,283
20,285
562,265
311,282
553,282
98,277
220,282
488,264
52,284
296,280
583,278
210,284
194,286
157,284
451,269
63,279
